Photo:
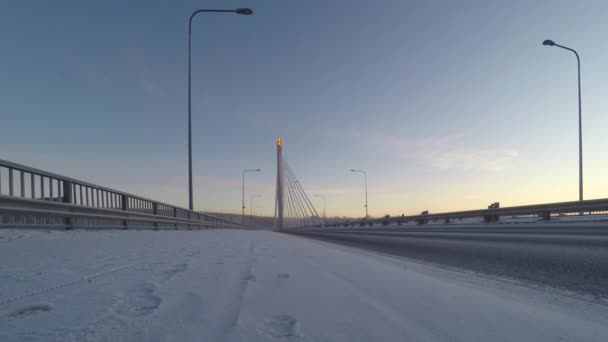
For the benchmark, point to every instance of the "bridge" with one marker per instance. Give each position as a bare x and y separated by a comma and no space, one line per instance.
35,198
150,270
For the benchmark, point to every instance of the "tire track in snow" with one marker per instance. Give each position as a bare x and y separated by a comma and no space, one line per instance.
390,314
235,312
30,310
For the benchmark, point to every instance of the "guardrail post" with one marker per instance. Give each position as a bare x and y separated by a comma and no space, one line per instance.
124,205
67,198
155,212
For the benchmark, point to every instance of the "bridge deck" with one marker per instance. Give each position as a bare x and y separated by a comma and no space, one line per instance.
236,285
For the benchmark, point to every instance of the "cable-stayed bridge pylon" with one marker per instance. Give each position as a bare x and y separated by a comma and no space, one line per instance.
293,208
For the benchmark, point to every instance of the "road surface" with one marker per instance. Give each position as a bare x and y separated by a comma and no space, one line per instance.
570,256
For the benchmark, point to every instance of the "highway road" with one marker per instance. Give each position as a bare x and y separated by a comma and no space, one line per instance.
569,256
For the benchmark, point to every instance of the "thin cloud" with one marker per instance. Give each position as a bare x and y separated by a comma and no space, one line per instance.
486,160
91,75
332,191
143,72
446,152
131,68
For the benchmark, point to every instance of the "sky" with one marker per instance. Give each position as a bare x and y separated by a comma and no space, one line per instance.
447,105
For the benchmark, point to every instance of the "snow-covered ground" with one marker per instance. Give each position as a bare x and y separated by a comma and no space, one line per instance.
237,285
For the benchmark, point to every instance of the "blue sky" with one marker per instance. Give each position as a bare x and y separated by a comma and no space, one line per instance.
447,105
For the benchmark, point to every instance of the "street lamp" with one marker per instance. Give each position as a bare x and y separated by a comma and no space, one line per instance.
251,205
364,174
323,197
580,129
243,11
243,202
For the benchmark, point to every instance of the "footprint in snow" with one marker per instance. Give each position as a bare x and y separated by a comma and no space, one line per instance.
194,253
31,310
138,302
281,327
170,273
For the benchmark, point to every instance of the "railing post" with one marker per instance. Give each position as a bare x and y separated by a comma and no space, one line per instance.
67,192
124,205
155,212
175,215
11,186
67,198
22,183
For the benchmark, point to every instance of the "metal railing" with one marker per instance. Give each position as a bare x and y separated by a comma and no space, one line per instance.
492,214
31,198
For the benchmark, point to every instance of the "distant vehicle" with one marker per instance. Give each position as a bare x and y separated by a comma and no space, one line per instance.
386,223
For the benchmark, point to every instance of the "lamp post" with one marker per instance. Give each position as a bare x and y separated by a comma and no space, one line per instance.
251,205
365,175
243,201
243,11
580,129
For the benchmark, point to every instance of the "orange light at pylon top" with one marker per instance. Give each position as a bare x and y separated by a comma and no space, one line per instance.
279,142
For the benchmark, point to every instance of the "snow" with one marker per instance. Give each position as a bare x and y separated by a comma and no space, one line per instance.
238,285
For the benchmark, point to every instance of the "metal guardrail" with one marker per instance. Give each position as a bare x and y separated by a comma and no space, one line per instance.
493,214
32,197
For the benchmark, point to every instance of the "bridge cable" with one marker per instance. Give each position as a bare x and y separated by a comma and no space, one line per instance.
299,209
303,193
304,205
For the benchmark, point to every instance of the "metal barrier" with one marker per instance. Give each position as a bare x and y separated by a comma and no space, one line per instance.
34,198
492,214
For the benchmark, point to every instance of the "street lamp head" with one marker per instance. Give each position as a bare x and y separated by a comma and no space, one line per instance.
244,11
549,42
